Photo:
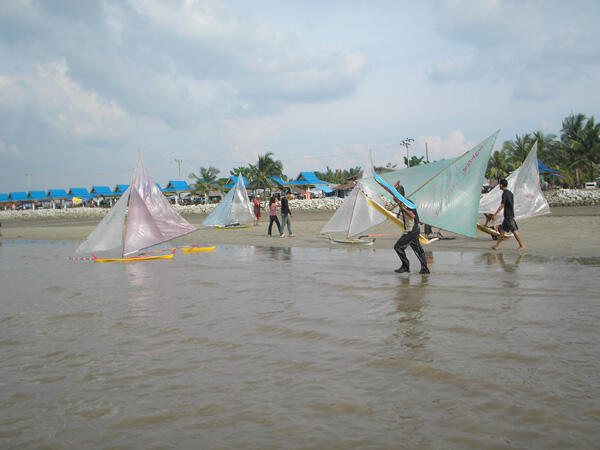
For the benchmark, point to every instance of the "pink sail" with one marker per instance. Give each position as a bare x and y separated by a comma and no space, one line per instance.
151,219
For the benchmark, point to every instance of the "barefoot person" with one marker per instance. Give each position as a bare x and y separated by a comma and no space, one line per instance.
508,224
410,237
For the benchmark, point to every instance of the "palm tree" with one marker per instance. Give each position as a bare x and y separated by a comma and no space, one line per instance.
414,161
265,168
516,151
205,182
498,165
580,146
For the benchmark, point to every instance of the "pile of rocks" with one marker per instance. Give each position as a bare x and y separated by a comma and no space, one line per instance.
573,197
561,197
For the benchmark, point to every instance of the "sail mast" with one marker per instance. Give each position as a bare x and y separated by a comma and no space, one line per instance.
132,186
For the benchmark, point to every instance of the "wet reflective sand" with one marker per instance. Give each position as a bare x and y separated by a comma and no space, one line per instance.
297,347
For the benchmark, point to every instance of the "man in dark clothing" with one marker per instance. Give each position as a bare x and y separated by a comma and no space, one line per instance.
508,224
285,215
410,237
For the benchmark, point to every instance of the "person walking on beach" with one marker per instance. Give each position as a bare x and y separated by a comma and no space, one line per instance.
410,237
286,214
508,224
257,209
273,205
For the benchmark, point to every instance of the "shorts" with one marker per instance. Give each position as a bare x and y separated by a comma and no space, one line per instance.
509,225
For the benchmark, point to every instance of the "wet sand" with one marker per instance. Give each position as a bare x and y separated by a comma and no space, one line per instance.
566,232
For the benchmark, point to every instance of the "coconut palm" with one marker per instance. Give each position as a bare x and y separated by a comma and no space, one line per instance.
516,151
205,181
498,165
580,146
266,167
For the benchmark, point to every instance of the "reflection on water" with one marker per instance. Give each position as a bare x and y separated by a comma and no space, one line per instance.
288,347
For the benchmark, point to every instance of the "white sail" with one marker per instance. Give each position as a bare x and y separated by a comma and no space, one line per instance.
524,183
355,215
108,234
235,208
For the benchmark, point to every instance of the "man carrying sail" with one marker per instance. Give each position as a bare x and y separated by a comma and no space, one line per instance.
508,224
410,237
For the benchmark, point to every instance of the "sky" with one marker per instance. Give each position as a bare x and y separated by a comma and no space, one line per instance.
86,85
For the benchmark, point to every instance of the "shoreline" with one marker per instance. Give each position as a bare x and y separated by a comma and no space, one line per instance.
567,232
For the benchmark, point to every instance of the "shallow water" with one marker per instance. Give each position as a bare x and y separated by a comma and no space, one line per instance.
297,348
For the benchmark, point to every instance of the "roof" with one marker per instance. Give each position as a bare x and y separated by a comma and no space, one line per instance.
101,190
277,179
79,192
57,194
120,188
311,179
177,186
17,195
233,179
543,168
37,195
3,197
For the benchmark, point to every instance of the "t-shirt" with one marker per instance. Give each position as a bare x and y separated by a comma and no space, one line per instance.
273,209
508,202
411,224
285,209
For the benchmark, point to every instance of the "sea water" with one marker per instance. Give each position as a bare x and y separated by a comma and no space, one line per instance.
254,347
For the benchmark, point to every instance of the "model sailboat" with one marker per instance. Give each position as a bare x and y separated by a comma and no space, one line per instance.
529,199
234,211
140,219
446,192
355,215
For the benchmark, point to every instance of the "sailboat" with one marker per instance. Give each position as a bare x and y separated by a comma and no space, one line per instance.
234,211
141,218
446,192
529,199
355,216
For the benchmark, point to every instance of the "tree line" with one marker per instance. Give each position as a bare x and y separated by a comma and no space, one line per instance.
576,153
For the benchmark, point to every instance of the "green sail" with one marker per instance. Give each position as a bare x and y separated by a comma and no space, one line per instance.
446,192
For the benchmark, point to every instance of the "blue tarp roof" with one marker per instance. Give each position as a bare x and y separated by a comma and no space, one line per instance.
57,194
17,195
120,188
233,179
310,178
544,168
101,190
79,192
37,195
278,180
177,186
3,197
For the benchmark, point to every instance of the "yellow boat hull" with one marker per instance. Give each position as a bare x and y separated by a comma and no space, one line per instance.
197,249
422,239
134,258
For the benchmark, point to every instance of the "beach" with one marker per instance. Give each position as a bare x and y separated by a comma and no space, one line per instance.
571,231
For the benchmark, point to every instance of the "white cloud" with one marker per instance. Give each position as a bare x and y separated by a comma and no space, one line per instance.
439,147
62,103
9,150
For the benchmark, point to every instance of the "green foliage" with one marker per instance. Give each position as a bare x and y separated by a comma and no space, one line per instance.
206,181
414,161
576,153
339,176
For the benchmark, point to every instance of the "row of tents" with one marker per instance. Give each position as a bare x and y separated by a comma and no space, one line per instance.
305,180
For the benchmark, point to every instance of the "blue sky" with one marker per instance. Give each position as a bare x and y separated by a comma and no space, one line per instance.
84,85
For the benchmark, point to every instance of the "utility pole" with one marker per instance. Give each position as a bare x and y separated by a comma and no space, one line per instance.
406,142
426,153
179,161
